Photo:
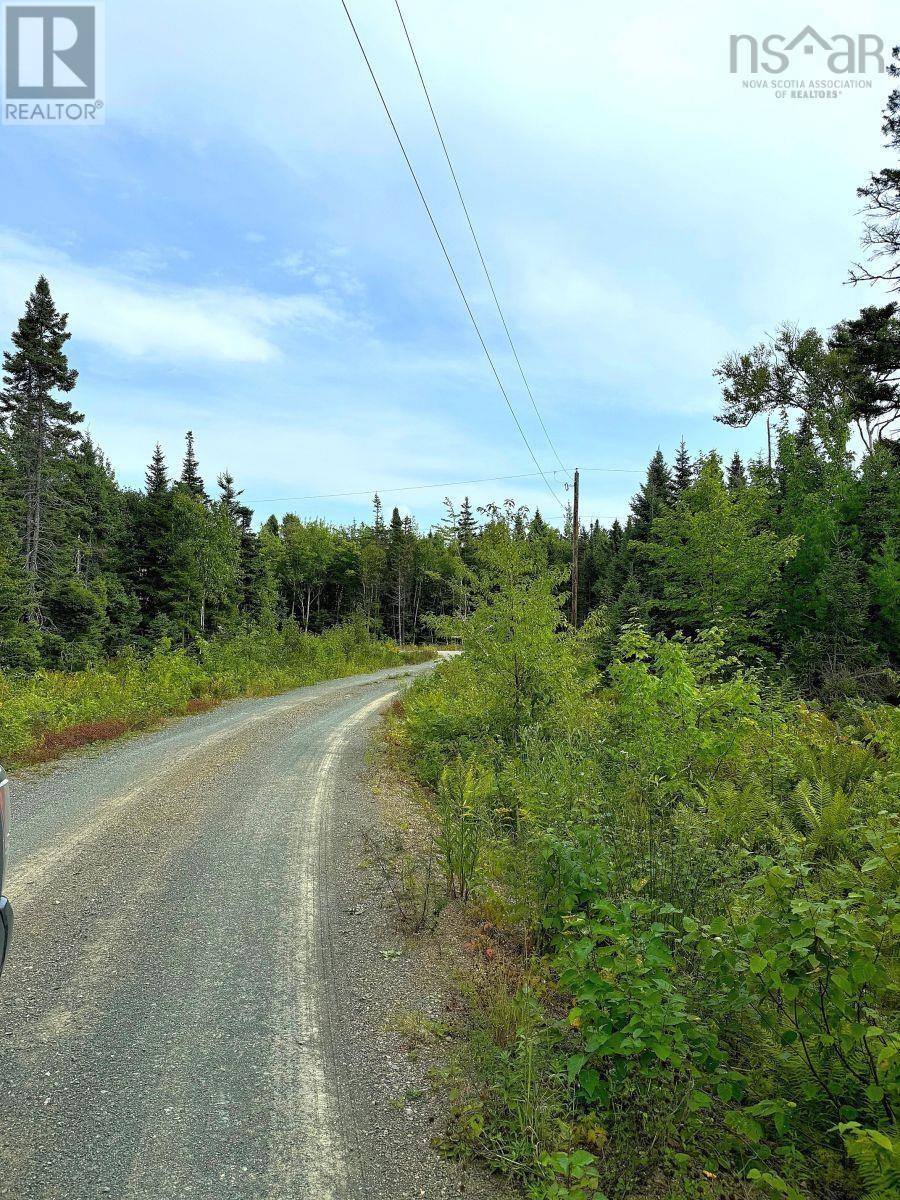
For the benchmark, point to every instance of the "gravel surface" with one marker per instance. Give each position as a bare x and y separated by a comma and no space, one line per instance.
198,999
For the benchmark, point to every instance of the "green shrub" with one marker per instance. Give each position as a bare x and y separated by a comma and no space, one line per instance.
704,872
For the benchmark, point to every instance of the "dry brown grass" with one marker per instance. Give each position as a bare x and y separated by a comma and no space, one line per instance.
59,741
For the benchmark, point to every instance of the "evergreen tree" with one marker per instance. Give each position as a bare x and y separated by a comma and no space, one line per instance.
39,430
737,476
191,479
19,641
824,589
154,519
156,477
631,604
538,529
230,496
378,518
263,587
654,495
823,383
95,516
713,565
682,471
868,350
591,559
796,555
884,591
466,531
91,604
619,572
242,519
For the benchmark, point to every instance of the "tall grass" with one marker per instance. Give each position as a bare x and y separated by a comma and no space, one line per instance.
41,714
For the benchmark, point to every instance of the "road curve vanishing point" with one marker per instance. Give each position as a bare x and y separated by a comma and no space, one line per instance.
168,1011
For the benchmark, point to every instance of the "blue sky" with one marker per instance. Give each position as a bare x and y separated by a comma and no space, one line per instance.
242,252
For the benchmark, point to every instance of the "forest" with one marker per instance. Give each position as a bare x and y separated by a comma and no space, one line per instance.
793,555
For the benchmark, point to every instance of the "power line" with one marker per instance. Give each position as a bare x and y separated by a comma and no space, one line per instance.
612,470
440,239
421,487
465,209
389,491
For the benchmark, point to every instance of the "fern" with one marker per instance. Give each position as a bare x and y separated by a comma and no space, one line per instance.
876,1158
824,814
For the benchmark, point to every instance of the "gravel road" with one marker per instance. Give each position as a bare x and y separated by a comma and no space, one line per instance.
182,1014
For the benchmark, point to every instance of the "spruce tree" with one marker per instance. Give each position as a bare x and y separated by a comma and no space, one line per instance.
19,642
466,530
38,429
156,477
682,471
620,566
242,518
95,515
654,496
90,602
230,496
538,530
191,479
155,529
737,476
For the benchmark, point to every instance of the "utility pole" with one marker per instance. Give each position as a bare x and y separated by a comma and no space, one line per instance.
575,553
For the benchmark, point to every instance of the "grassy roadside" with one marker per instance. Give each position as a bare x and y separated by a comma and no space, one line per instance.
45,714
461,945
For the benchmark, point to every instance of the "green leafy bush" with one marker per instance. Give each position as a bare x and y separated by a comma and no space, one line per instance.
703,870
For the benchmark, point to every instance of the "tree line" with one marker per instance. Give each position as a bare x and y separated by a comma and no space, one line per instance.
88,567
794,555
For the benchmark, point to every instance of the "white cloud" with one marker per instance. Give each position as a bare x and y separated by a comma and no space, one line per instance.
170,323
324,270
